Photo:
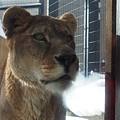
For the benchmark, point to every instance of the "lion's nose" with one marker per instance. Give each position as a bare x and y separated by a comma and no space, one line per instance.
66,59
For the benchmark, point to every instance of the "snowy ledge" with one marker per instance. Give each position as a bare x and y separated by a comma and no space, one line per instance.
87,96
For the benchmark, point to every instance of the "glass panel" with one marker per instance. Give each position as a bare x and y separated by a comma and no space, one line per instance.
89,36
86,100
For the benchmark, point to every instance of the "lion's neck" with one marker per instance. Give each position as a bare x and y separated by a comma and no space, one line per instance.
27,100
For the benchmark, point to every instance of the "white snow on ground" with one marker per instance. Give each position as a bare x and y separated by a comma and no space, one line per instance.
74,118
87,96
1,30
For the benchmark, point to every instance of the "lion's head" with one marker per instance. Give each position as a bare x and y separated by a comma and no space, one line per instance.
41,48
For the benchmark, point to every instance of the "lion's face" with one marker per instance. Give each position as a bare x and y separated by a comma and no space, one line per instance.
41,48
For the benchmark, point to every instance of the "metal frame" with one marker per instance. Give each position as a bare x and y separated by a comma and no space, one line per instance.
39,5
86,36
111,93
117,113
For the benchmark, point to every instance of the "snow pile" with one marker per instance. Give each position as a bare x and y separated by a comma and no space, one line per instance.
74,118
87,96
1,30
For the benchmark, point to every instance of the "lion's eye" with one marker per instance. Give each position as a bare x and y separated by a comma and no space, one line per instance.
69,38
39,37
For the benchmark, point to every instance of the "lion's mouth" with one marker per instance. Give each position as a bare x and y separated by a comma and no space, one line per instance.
64,79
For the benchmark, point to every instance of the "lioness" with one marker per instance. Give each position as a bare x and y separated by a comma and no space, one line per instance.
41,64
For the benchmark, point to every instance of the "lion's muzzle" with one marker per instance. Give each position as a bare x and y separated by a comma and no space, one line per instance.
66,60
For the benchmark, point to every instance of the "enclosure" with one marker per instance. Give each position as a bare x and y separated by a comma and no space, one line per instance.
96,49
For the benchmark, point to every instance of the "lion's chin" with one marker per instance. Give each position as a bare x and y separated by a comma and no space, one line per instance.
63,80
59,85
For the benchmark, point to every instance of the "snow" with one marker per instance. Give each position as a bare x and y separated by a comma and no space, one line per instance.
74,118
87,96
1,30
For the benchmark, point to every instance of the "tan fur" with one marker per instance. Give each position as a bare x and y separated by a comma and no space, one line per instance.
3,53
31,74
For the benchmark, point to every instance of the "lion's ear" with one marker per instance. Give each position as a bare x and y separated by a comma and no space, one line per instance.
70,20
14,20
